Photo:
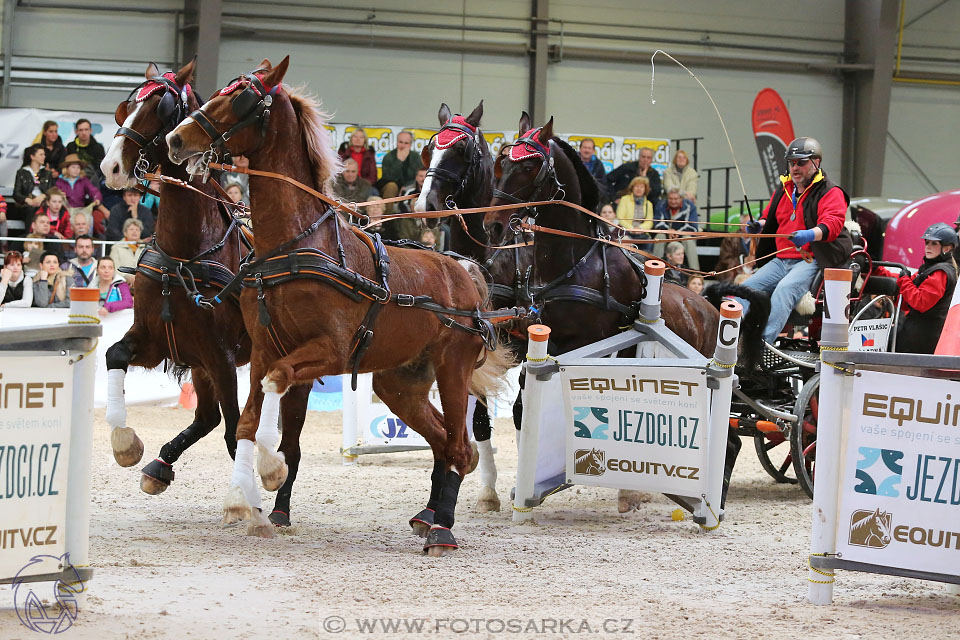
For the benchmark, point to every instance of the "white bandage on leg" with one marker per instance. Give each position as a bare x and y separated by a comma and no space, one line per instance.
243,473
488,468
116,403
268,431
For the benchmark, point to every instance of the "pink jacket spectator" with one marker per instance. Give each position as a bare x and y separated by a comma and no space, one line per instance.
118,288
80,193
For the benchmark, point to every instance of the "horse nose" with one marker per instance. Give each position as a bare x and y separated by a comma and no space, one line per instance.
174,143
116,168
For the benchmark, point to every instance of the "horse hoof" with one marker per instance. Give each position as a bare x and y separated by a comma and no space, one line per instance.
156,477
422,522
260,527
152,486
280,519
474,457
488,499
272,468
440,542
630,500
127,446
235,507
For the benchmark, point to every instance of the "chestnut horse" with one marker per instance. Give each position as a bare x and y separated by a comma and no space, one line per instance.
303,329
167,324
540,166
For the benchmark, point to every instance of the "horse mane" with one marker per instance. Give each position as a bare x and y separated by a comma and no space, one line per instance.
589,192
312,120
862,522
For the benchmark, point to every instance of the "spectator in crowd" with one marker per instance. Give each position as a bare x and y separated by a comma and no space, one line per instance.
364,155
84,266
682,176
51,142
635,211
80,191
52,285
151,201
677,214
674,258
80,221
594,165
228,178
234,192
406,228
32,250
40,228
88,150
115,293
619,179
31,183
428,238
350,186
695,284
375,213
608,213
127,253
3,221
56,209
414,188
129,208
399,168
16,287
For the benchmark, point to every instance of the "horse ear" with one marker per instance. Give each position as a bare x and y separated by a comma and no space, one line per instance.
185,75
152,71
546,133
475,115
444,114
524,122
274,76
265,64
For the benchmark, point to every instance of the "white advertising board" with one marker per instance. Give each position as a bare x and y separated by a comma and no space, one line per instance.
36,393
900,479
638,428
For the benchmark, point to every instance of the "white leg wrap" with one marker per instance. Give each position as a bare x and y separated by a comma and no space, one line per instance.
488,468
268,431
243,473
116,403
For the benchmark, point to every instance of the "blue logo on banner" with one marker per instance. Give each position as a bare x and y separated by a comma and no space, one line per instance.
879,471
590,422
388,427
48,607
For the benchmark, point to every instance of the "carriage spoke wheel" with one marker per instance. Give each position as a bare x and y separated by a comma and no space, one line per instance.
803,438
773,450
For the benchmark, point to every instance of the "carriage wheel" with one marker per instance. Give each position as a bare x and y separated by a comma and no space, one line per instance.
803,438
770,448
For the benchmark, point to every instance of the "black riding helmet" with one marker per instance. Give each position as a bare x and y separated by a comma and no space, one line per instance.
942,233
803,148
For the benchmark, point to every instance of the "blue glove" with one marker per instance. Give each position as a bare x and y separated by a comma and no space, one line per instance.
800,238
754,226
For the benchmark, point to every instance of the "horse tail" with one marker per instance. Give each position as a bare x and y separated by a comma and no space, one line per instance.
753,324
490,372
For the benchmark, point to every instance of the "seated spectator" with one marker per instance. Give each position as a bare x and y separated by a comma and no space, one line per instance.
365,156
130,208
349,186
40,228
114,291
234,192
608,213
594,164
635,211
51,142
413,188
84,266
87,150
81,192
677,214
374,212
80,222
695,284
399,168
674,259
242,180
151,201
32,250
682,176
56,209
428,238
127,253
31,183
618,180
52,285
16,287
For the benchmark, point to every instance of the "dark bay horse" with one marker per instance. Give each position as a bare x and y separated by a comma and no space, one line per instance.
541,166
168,325
316,280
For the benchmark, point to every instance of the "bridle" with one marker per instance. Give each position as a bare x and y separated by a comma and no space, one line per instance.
171,110
546,174
251,106
472,154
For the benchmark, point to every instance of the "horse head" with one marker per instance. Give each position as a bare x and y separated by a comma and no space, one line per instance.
459,164
234,120
153,109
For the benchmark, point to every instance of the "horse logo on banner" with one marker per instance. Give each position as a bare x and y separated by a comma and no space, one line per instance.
870,528
589,462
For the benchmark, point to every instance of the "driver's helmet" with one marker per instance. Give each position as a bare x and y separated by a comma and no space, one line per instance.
942,233
803,149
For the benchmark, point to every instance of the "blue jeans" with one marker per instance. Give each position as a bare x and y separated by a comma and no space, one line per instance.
786,281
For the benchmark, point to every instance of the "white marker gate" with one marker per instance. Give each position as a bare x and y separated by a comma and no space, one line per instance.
643,422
